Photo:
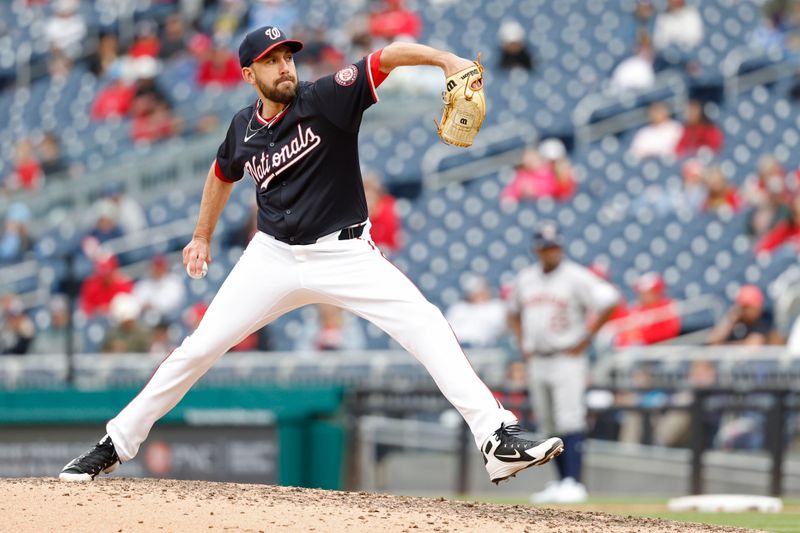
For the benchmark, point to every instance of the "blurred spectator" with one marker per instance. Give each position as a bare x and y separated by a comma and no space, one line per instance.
679,26
105,55
159,124
722,196
146,42
100,288
160,341
330,329
770,176
361,42
220,67
768,37
53,164
660,137
653,317
513,48
148,93
786,231
127,335
163,292
746,322
58,65
65,30
643,17
27,173
319,56
278,13
544,173
53,337
779,30
129,213
693,193
230,17
770,209
479,320
106,221
115,99
636,72
698,132
16,329
392,20
174,40
16,239
385,230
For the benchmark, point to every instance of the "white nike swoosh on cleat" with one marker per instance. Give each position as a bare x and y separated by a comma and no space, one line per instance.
517,456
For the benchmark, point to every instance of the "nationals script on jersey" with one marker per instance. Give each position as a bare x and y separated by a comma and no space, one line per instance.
304,160
553,305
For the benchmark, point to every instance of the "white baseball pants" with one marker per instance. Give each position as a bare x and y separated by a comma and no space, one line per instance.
557,385
272,278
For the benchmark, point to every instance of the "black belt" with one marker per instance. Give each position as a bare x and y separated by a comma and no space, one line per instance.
352,232
346,234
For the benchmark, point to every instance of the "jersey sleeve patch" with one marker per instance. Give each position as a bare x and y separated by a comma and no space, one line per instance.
346,76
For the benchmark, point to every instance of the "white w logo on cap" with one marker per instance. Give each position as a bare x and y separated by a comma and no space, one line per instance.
273,33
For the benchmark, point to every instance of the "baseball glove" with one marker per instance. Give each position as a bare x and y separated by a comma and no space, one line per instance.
464,106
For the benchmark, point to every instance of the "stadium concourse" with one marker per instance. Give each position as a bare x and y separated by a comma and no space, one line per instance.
663,153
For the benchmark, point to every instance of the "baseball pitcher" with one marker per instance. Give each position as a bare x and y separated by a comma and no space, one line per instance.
299,142
550,305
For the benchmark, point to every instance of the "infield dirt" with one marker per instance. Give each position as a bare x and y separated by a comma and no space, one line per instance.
123,504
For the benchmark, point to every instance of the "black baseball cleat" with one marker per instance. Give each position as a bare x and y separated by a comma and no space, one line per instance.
505,454
101,458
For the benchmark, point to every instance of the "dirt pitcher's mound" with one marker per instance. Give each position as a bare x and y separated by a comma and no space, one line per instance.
118,504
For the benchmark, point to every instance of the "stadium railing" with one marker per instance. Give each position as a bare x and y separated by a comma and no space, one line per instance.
766,67
626,109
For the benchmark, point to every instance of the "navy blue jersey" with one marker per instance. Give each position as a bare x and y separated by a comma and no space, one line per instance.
305,159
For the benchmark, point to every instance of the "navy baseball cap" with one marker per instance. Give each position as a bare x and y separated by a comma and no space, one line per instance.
547,236
258,43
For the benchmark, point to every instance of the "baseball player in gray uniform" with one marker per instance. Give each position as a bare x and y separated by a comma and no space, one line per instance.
550,308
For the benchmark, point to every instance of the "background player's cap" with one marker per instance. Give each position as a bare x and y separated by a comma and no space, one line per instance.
259,42
547,236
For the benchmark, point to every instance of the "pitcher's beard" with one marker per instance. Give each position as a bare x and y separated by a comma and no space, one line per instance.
281,95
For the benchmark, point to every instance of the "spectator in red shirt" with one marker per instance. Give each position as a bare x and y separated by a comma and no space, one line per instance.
721,195
115,99
395,21
27,173
220,67
385,230
786,231
544,173
146,42
158,124
102,285
654,317
698,132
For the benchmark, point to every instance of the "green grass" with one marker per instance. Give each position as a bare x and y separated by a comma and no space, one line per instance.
787,521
